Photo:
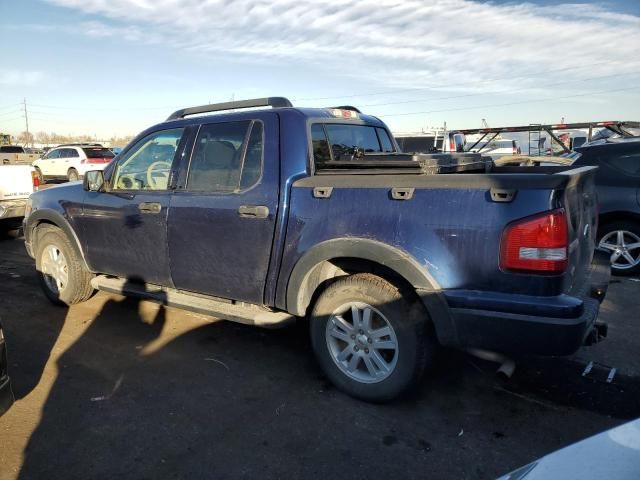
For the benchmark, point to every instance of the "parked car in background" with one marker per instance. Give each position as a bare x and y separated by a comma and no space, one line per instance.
17,182
431,142
618,185
496,148
261,216
614,455
6,394
71,162
15,155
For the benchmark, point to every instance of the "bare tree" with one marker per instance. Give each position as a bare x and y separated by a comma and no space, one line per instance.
25,138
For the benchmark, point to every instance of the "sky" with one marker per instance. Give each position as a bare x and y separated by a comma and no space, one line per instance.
115,67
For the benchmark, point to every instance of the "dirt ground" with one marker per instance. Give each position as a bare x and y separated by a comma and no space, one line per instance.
115,387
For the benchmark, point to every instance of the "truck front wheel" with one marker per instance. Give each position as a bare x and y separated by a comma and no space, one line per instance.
370,339
62,275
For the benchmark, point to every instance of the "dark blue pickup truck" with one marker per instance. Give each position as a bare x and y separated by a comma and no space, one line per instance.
264,215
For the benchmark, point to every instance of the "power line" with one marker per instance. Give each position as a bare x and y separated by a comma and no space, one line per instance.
11,112
511,103
499,91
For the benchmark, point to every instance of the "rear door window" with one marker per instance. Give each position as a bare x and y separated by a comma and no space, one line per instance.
227,157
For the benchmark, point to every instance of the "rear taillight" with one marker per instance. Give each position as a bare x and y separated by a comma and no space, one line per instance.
536,244
452,146
35,179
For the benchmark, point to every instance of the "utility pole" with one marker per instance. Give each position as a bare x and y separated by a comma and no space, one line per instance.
26,120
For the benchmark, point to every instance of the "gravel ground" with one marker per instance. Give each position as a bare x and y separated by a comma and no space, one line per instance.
115,387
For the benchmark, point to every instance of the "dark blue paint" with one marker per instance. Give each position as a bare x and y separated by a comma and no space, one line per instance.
199,243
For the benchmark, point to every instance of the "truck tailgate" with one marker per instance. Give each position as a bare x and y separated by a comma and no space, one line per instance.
16,182
580,204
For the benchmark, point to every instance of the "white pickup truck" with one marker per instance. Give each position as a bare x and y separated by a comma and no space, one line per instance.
17,182
16,155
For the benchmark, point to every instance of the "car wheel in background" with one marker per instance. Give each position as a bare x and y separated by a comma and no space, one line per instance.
62,275
622,240
72,175
371,339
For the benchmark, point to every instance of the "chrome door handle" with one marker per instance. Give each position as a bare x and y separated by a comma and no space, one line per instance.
150,207
253,211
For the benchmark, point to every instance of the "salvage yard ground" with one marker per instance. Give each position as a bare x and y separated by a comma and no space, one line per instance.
121,388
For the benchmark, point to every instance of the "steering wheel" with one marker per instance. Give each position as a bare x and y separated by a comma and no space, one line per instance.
155,176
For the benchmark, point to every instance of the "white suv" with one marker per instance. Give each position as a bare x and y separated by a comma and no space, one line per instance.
71,162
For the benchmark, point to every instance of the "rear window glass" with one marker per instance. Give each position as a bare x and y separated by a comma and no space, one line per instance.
11,149
98,152
339,141
417,144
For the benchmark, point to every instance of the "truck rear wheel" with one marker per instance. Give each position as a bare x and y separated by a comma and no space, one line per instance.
62,275
369,338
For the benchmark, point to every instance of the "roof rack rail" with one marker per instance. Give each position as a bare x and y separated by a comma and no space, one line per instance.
79,144
346,107
275,102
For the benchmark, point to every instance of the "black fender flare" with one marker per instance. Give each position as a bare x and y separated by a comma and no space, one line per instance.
52,217
299,293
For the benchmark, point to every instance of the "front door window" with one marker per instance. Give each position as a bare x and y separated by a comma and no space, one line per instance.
148,164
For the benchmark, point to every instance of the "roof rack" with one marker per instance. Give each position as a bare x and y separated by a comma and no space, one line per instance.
275,102
346,107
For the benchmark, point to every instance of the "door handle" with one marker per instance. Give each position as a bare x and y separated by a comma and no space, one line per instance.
253,211
149,207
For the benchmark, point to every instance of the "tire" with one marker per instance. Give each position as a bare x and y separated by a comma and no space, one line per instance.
625,260
60,256
403,314
72,175
40,176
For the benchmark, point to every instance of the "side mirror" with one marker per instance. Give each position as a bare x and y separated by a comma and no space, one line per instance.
94,181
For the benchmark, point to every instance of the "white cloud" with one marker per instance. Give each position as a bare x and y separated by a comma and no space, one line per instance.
404,43
17,78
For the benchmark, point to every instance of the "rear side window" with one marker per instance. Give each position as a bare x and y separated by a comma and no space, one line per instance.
339,141
321,151
98,153
70,153
227,157
385,141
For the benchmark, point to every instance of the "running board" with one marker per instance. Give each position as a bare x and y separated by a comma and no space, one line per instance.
239,312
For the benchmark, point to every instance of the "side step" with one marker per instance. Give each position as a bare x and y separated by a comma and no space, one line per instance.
239,312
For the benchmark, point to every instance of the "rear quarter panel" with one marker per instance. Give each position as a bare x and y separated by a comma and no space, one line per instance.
453,233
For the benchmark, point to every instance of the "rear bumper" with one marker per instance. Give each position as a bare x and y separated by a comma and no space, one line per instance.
12,208
520,324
